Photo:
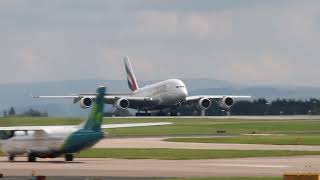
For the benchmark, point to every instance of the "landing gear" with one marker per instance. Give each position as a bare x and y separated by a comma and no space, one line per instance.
143,114
68,157
139,114
173,113
162,113
11,158
32,158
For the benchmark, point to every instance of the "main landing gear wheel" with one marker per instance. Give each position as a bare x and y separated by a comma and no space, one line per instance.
173,114
143,114
68,157
32,158
162,114
11,158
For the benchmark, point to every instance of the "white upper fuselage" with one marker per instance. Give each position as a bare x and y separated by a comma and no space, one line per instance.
167,93
46,142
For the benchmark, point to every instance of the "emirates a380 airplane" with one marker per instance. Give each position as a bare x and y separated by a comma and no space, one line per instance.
154,98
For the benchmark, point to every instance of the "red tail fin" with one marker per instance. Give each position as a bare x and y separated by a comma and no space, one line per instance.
132,82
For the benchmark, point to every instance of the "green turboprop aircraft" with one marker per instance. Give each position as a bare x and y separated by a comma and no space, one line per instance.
56,141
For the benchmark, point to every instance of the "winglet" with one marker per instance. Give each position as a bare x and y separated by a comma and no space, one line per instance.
132,82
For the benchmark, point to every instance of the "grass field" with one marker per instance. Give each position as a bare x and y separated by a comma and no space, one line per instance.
185,154
229,178
185,126
274,140
211,126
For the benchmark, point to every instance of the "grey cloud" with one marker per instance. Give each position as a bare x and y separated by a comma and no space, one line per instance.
253,42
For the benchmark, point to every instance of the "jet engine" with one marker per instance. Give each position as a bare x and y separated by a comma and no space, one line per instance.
204,103
86,102
226,102
122,103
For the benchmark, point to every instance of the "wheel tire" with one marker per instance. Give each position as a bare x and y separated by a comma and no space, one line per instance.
68,157
32,158
162,114
173,114
11,158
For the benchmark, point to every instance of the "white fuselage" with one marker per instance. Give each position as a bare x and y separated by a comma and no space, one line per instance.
167,93
45,143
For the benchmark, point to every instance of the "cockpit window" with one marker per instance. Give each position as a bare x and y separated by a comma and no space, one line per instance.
179,86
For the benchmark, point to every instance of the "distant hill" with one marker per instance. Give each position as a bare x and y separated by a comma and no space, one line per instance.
19,95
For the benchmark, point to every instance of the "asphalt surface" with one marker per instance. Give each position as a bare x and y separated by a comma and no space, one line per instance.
271,166
128,169
159,143
120,169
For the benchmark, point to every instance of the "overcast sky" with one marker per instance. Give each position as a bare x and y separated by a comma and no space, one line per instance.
244,41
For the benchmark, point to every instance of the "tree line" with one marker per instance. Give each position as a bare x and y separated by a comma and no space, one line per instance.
260,107
257,107
11,112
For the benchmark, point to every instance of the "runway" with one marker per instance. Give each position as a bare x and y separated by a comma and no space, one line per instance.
101,167
163,168
159,143
128,169
284,117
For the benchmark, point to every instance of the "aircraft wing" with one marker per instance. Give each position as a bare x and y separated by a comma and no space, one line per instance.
111,126
216,97
106,126
33,128
134,102
108,98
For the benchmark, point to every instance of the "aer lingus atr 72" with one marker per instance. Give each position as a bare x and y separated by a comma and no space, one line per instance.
156,97
55,141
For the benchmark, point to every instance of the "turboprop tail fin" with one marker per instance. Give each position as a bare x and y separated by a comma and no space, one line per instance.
95,118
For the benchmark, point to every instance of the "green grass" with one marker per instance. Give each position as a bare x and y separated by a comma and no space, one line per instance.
32,121
211,126
185,154
184,126
275,140
229,178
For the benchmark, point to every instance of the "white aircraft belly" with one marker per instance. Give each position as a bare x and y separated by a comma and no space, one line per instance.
23,144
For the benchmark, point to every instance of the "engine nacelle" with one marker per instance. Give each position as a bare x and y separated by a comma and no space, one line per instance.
226,102
204,103
122,104
86,102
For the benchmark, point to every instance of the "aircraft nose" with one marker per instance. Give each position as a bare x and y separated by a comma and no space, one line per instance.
185,92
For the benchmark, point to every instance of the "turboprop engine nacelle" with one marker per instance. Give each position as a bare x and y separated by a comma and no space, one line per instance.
204,103
122,104
85,102
226,102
